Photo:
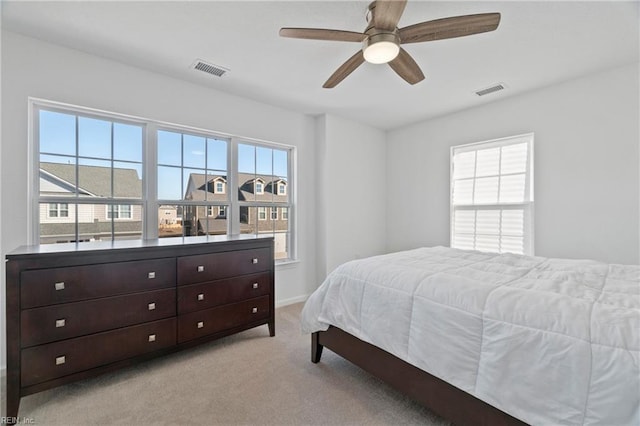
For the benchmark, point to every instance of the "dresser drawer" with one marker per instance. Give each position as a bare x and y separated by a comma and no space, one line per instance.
202,296
201,323
43,287
209,267
46,362
58,322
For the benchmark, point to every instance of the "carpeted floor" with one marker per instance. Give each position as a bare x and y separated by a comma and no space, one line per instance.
246,379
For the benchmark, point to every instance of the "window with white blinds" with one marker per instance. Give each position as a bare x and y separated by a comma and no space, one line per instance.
492,195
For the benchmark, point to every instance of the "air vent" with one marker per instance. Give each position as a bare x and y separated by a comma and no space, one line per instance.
203,66
495,88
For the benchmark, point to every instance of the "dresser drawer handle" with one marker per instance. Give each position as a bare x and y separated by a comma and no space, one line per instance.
61,323
200,268
152,306
59,286
255,285
200,324
201,296
152,337
254,310
61,360
254,260
151,275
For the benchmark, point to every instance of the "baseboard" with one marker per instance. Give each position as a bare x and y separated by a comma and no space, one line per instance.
291,301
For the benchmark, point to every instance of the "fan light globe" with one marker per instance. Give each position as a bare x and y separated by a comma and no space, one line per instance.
381,52
381,48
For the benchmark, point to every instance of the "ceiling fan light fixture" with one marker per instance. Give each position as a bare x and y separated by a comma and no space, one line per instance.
381,48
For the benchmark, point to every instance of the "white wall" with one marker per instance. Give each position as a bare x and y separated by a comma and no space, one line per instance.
38,69
351,191
586,162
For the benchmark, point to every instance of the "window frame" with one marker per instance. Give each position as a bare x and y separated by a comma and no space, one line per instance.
150,203
117,209
262,211
527,205
58,209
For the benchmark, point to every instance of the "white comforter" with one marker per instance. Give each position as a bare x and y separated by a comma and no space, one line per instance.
549,341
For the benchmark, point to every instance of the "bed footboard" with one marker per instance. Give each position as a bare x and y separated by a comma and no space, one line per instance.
439,396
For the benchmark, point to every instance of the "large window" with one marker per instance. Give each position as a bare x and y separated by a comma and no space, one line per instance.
492,195
104,176
89,177
191,168
263,176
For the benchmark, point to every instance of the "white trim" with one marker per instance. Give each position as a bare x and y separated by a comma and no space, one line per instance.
291,301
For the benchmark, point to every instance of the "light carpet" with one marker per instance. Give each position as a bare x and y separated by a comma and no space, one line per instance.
245,379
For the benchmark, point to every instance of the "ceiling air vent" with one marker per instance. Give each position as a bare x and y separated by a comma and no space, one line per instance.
203,66
495,88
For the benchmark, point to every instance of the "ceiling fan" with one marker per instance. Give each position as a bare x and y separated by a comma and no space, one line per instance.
382,38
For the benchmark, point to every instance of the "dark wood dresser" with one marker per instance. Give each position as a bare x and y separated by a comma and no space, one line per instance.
78,310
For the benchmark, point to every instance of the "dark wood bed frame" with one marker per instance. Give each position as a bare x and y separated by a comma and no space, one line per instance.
439,396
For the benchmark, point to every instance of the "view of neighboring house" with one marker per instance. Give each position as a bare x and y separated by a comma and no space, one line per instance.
96,221
99,221
261,189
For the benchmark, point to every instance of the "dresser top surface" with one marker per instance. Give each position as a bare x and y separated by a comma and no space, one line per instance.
98,246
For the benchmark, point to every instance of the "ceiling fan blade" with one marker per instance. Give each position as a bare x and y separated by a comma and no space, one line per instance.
387,13
455,26
322,34
406,67
345,69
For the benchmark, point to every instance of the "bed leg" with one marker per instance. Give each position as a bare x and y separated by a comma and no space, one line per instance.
316,347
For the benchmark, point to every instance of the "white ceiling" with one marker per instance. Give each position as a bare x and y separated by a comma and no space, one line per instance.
537,44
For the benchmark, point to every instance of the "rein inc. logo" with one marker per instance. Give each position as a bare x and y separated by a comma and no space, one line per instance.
17,421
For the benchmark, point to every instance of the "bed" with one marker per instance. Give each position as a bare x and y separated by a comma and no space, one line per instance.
490,339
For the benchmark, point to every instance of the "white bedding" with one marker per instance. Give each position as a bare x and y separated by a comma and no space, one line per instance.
549,341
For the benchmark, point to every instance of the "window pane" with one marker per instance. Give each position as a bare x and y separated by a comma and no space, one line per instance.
216,154
281,245
264,161
170,221
488,162
127,180
169,148
169,183
194,184
488,222
464,221
57,176
513,222
191,220
280,163
512,245
246,159
464,241
94,178
55,228
486,191
129,226
514,158
94,138
127,142
57,133
488,243
463,192
464,165
193,151
512,188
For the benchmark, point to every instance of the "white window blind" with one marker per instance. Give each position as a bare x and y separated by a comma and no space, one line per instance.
492,195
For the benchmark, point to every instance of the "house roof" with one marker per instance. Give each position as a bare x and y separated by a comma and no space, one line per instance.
245,192
96,180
